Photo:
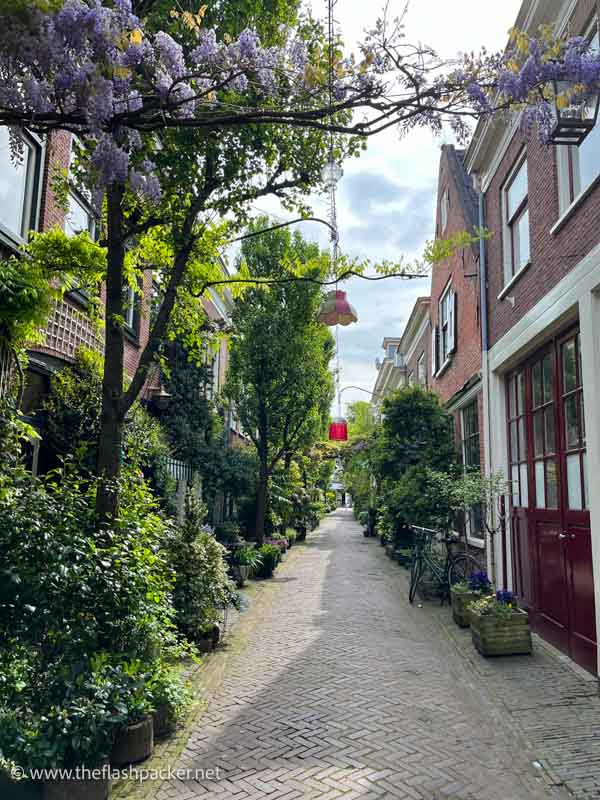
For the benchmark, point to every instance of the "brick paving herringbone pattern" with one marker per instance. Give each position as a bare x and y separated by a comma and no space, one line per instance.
345,691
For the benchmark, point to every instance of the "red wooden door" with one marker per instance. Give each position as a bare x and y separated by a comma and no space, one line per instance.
552,561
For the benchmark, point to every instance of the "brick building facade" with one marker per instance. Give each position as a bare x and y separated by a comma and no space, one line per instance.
541,360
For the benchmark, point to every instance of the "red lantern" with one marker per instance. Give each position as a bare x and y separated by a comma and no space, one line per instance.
336,310
338,430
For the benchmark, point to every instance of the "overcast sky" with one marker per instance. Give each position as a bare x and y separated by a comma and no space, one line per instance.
386,198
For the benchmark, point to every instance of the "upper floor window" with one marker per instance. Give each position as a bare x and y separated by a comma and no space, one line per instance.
390,350
447,317
516,221
79,216
411,379
422,369
578,167
444,209
131,310
19,186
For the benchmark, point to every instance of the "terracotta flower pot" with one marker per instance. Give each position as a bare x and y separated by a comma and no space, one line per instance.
495,635
133,743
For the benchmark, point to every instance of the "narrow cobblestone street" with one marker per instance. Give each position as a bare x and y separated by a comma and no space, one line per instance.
344,690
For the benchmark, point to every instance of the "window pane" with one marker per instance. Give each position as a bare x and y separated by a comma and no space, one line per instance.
13,186
77,218
550,437
548,368
536,382
574,482
514,447
569,366
522,442
586,495
551,484
571,426
540,497
538,433
517,191
515,484
511,396
521,236
520,392
523,482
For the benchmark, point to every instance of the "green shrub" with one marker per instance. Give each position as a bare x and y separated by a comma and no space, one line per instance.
202,585
248,556
228,532
271,556
291,536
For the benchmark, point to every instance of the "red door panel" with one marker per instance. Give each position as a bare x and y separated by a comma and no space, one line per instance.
552,618
581,594
523,557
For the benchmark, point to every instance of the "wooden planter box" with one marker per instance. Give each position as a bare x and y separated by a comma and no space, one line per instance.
501,636
133,743
76,790
461,614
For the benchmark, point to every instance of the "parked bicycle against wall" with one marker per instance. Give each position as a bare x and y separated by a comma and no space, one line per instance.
456,567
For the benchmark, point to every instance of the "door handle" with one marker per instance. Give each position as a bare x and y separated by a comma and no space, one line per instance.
562,536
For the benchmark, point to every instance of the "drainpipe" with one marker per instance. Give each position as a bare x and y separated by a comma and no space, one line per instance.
483,305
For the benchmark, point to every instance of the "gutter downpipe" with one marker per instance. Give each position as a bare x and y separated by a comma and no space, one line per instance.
486,383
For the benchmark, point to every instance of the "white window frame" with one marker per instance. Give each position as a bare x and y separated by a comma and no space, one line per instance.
511,272
444,209
475,541
422,369
130,303
570,191
411,378
32,194
447,325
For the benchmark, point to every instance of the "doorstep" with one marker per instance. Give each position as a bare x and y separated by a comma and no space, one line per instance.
552,703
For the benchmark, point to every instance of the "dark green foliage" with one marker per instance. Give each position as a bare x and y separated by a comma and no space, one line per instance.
202,585
72,427
270,556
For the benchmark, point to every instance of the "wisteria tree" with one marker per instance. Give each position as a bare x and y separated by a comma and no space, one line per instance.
184,116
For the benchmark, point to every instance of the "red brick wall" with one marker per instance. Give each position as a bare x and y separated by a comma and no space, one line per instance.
57,158
552,255
466,360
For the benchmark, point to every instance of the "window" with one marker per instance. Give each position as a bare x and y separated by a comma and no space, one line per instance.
447,324
79,217
131,310
516,216
471,453
411,378
574,424
18,186
517,439
471,457
422,369
390,350
444,209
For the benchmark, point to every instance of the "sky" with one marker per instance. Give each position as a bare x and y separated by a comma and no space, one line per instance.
386,198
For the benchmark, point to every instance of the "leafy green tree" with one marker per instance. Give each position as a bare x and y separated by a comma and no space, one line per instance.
278,380
361,421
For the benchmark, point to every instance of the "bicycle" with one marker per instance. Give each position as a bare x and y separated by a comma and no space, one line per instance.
457,567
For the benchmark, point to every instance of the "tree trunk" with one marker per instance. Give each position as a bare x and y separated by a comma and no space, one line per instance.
261,500
112,415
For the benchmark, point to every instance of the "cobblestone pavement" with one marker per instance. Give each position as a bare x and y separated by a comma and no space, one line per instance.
343,690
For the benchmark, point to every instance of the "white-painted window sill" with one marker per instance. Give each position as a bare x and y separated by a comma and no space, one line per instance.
513,280
568,213
480,543
443,368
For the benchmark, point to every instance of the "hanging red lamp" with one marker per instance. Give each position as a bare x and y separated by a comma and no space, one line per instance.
338,430
336,310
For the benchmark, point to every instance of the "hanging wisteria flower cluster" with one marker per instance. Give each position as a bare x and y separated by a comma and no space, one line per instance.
536,75
93,69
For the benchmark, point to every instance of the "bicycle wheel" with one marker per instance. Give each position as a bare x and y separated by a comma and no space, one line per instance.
415,576
461,568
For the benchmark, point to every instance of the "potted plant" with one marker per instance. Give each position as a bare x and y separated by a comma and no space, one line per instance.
170,697
465,592
499,627
246,561
134,740
270,556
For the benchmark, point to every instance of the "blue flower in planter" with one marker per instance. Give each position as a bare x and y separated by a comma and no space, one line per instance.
479,582
508,598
